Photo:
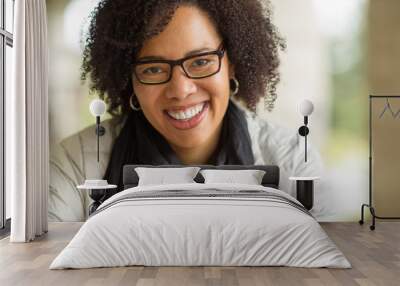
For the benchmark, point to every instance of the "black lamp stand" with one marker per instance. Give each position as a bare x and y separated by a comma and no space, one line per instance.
304,131
100,131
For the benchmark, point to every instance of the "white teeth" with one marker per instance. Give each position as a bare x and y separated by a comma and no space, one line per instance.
187,113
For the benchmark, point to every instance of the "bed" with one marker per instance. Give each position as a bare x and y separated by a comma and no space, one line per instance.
201,224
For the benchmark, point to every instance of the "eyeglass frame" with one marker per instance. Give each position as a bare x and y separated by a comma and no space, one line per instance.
172,63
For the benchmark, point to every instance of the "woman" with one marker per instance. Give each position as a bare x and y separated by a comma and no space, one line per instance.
175,75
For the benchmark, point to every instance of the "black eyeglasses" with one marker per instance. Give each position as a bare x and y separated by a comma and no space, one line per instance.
196,66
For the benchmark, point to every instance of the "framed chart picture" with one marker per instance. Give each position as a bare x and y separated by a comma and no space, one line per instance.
384,150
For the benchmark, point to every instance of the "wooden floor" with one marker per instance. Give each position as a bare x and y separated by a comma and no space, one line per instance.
374,255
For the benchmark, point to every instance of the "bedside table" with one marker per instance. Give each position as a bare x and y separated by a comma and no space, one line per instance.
96,193
305,190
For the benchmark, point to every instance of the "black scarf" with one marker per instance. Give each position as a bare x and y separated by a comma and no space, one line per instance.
140,143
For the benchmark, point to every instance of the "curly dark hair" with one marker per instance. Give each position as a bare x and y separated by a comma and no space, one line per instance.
118,29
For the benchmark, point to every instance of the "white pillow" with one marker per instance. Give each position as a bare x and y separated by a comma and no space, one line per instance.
162,176
248,177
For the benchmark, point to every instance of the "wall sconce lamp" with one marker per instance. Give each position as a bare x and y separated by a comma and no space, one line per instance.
98,108
306,107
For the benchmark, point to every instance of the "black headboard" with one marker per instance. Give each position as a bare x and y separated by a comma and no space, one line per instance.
270,179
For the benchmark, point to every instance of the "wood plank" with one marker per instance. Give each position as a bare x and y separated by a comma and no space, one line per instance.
374,255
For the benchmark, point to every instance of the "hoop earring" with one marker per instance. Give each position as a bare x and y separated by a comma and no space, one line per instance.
134,107
234,86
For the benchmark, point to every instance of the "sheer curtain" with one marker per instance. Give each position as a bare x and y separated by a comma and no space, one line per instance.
27,144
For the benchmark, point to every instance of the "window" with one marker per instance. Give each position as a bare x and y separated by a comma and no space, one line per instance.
6,44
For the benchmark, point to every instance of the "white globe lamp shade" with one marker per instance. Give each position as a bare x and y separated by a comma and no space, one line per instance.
97,107
306,107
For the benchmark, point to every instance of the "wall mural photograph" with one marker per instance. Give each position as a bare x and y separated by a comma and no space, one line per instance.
184,88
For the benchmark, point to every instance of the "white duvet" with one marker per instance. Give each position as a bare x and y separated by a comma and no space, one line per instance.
183,231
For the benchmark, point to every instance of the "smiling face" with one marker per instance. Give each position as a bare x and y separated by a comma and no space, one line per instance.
187,112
